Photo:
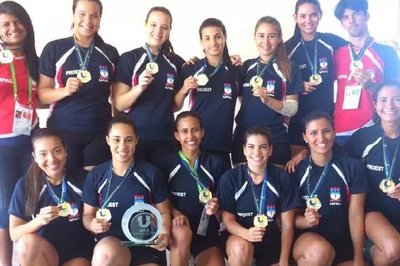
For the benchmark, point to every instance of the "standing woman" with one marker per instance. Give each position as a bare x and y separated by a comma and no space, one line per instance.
211,84
115,186
18,98
313,52
252,197
76,75
147,79
331,219
269,91
191,173
46,208
378,147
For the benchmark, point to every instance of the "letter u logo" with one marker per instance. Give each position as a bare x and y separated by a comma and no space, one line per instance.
146,224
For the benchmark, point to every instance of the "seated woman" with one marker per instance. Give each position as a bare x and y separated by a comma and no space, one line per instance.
115,186
46,208
331,220
252,197
378,147
191,173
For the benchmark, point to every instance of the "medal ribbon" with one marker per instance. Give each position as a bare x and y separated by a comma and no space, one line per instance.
15,86
149,54
259,74
320,180
312,66
109,179
83,63
63,191
389,166
193,170
261,206
354,56
217,68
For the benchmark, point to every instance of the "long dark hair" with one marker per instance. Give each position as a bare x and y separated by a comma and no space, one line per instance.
15,9
389,83
166,47
97,38
213,22
282,59
297,33
35,176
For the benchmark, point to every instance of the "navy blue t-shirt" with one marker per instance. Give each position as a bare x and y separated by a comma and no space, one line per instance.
366,144
346,176
88,109
145,182
152,112
215,103
236,197
322,98
183,189
62,231
252,111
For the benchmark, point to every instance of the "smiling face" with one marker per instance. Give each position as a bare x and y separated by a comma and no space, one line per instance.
12,31
355,22
122,140
257,150
387,104
267,39
86,19
213,41
189,134
320,135
158,29
307,18
50,155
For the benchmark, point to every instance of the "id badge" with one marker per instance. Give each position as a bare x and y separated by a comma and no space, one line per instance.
352,95
23,116
203,225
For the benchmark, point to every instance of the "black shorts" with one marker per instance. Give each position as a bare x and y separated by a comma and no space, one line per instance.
86,148
144,255
281,153
344,252
265,252
153,151
78,250
202,243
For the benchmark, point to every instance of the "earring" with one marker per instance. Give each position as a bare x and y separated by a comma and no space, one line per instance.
66,154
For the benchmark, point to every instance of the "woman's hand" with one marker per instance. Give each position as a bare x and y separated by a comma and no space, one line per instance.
145,79
47,214
72,86
99,226
395,192
312,217
309,87
180,220
161,242
212,206
291,165
255,234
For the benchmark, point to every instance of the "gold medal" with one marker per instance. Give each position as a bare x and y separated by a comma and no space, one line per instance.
316,79
260,220
202,79
386,185
6,57
64,209
314,203
152,67
205,196
84,76
256,81
356,64
103,214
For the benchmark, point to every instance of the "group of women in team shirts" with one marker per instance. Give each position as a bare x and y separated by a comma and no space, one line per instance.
313,216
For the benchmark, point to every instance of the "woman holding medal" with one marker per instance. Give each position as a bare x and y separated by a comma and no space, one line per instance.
314,52
252,197
195,174
147,78
331,221
269,91
18,101
378,147
76,74
211,84
112,188
46,208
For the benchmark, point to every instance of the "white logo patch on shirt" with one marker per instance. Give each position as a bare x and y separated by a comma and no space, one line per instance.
179,194
377,168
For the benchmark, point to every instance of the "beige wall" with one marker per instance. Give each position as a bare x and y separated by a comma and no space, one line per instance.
122,22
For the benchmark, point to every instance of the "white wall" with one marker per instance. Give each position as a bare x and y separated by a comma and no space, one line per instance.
122,22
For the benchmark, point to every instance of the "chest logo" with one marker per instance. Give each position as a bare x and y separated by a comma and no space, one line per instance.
323,64
335,195
227,91
271,210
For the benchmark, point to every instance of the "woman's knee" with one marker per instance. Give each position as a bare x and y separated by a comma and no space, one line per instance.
109,251
239,248
181,236
319,253
28,246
